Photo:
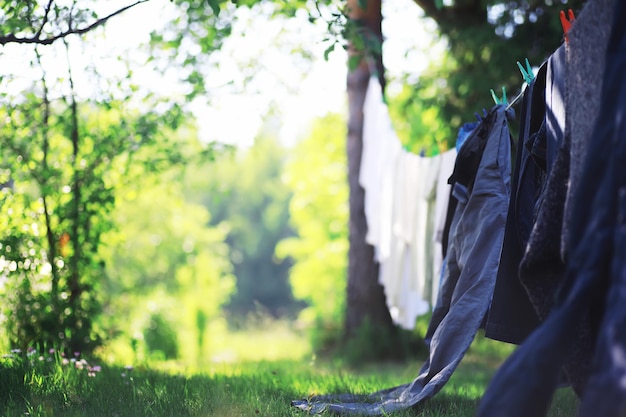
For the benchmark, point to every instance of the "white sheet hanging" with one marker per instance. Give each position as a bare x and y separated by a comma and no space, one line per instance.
406,199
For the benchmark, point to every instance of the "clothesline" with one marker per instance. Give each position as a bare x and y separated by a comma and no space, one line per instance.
534,253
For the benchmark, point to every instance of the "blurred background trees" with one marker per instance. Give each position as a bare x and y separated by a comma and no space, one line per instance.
484,41
246,193
319,214
119,227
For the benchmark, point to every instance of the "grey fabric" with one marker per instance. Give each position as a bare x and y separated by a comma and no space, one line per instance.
481,184
588,38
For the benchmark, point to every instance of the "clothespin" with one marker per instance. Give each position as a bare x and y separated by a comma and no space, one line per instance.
498,100
527,72
479,117
567,23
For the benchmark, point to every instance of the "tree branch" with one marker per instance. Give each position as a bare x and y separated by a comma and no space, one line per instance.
45,19
462,14
430,9
35,39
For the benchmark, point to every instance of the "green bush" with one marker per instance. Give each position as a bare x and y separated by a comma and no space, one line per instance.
160,338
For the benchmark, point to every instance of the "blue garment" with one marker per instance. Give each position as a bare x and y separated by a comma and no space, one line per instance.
511,314
542,267
464,132
595,278
481,183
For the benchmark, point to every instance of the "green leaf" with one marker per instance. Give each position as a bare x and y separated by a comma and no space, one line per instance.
362,4
354,61
215,6
328,51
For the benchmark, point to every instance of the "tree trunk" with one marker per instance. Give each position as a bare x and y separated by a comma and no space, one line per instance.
365,296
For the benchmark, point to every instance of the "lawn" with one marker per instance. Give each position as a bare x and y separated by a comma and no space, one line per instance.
256,374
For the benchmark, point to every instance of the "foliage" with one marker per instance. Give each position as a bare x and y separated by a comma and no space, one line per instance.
420,128
196,31
54,195
160,337
485,39
167,269
62,162
40,23
245,195
316,175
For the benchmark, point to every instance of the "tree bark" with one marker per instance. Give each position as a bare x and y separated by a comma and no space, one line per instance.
365,296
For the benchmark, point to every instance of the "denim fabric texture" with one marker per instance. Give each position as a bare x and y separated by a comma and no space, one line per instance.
464,132
481,183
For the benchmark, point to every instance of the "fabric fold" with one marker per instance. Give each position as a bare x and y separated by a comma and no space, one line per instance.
482,170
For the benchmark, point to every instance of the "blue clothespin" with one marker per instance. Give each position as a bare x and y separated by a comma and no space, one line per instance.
479,117
498,100
527,72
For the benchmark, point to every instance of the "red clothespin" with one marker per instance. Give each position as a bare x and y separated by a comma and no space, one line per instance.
567,23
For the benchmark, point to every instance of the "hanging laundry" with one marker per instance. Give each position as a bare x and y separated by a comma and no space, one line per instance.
541,268
385,170
405,298
465,130
587,59
595,274
442,201
538,257
481,184
381,146
511,314
422,256
405,194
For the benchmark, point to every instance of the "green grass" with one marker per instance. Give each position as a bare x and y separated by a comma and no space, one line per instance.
248,384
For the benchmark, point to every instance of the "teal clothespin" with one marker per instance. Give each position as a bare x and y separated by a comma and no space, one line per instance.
498,100
527,72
